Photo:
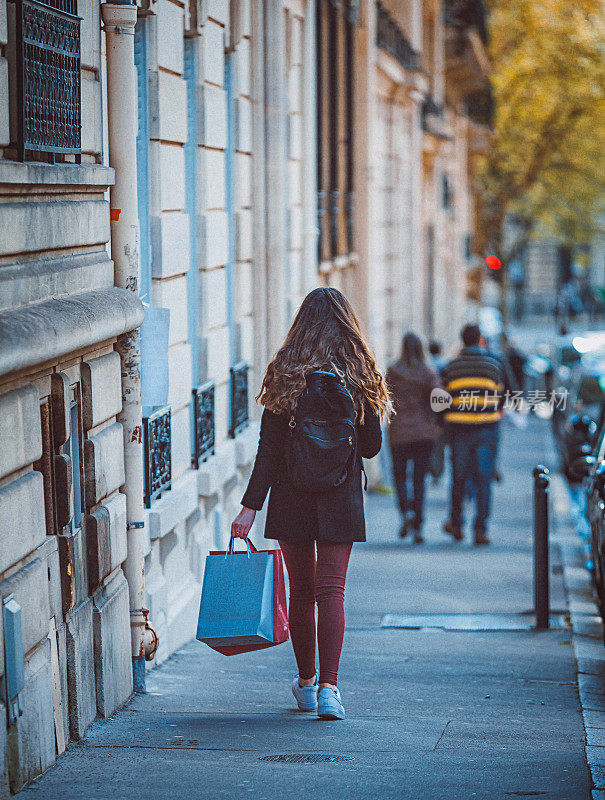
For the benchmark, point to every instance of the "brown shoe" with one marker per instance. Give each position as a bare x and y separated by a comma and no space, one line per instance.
453,531
481,538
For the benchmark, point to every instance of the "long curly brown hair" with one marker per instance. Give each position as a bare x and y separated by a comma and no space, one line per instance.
325,334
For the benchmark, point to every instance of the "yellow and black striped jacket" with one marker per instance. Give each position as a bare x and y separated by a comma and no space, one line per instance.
477,382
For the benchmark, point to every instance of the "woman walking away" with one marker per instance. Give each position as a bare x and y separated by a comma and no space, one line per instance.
323,398
413,429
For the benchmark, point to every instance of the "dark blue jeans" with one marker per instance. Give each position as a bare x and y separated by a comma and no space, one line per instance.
474,451
419,455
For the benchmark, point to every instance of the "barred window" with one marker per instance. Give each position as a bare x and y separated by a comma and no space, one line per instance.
44,80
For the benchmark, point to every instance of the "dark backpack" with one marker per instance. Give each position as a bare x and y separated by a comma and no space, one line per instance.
322,442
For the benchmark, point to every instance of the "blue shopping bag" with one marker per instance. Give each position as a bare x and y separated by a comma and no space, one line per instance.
236,608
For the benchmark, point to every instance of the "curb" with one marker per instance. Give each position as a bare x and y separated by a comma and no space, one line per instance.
587,634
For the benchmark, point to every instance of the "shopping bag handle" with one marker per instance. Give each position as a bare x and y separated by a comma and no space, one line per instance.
249,547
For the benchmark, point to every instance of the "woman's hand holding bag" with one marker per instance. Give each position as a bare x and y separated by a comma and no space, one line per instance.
240,527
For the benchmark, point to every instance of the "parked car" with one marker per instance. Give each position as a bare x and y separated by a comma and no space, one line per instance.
591,468
578,414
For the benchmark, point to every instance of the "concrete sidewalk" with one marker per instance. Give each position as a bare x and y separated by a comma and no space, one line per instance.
433,714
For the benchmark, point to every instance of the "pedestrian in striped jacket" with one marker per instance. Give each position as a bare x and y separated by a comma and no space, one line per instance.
477,382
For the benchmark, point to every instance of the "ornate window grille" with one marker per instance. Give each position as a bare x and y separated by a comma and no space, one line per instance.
157,450
391,38
47,72
203,410
239,398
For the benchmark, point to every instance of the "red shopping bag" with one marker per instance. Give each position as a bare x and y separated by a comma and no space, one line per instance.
280,609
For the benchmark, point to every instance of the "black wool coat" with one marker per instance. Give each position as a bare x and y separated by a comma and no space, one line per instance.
297,516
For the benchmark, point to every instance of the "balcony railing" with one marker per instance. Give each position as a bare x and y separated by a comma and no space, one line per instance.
203,418
47,69
157,449
239,398
391,38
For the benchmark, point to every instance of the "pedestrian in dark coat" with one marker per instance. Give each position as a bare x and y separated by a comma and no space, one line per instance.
333,517
324,346
413,430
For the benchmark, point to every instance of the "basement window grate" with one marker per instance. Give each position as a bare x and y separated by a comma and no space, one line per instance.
306,758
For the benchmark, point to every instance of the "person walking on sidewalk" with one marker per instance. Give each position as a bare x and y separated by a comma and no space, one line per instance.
413,429
323,372
477,383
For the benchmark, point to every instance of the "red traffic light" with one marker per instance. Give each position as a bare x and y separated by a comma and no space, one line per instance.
493,262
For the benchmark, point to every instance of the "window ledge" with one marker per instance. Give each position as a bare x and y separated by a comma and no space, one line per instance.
31,172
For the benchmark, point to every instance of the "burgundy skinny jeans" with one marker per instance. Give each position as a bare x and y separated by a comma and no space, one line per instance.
320,581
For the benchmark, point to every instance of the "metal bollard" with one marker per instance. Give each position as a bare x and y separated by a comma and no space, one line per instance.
541,576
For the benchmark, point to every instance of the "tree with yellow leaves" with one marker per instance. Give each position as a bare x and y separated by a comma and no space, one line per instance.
546,164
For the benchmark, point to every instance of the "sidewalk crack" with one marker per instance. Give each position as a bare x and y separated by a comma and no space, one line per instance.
442,734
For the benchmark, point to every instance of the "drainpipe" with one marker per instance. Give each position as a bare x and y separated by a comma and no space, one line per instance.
119,22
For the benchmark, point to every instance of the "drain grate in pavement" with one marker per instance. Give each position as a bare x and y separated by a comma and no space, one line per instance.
468,622
306,758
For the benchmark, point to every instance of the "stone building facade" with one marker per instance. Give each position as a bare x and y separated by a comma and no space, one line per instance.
280,145
65,655
422,71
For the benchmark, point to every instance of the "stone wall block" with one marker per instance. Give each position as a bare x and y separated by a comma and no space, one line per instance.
104,460
214,236
33,226
31,739
243,66
212,119
218,470
214,292
243,117
173,507
172,177
112,645
64,506
243,235
218,10
92,116
20,435
170,35
72,564
243,188
30,587
211,179
218,355
169,244
81,670
60,399
4,786
101,389
172,294
172,108
3,23
181,441
213,53
38,279
20,533
106,545
179,376
4,127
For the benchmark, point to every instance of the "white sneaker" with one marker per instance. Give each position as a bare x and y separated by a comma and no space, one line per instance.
328,704
306,696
